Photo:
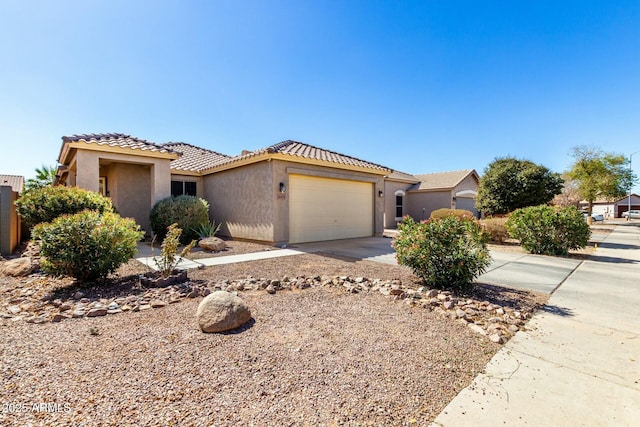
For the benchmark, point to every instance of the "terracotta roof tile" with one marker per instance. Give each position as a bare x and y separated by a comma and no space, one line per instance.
16,182
300,149
441,180
194,158
397,175
117,140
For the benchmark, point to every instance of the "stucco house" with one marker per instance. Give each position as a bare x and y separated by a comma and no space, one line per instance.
290,192
419,195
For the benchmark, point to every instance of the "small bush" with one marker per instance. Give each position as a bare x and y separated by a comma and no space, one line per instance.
189,212
87,245
547,230
458,213
47,203
169,258
448,253
496,229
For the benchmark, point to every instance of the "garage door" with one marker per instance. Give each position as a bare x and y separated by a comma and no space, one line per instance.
329,209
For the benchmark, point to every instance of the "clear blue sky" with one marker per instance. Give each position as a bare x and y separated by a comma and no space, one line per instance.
420,86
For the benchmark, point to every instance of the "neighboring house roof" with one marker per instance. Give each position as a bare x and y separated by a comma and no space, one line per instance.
110,142
610,202
16,182
194,159
442,180
299,151
401,176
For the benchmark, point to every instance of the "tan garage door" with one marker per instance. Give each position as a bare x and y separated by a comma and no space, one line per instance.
329,209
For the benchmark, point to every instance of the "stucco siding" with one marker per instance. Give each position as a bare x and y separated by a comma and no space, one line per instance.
390,189
421,204
9,221
132,188
242,200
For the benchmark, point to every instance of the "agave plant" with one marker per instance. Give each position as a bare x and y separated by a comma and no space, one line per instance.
207,229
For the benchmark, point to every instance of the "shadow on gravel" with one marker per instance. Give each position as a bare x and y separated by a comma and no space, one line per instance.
558,311
241,329
506,297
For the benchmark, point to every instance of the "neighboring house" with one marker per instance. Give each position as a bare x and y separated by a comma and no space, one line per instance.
613,209
290,192
419,195
10,225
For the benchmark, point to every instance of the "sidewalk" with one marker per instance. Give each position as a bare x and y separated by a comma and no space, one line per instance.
579,362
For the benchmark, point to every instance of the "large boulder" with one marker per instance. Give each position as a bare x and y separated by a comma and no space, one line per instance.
222,311
17,267
213,244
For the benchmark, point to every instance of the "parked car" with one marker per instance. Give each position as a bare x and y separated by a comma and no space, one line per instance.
631,214
597,217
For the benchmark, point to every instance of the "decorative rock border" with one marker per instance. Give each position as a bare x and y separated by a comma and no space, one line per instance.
491,320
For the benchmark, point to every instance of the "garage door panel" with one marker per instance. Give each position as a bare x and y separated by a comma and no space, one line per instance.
329,209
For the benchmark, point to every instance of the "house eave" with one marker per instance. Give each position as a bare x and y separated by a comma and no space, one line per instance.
69,146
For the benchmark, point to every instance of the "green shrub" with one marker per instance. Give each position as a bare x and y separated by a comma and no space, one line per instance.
447,253
189,212
47,203
87,245
496,229
547,230
459,213
169,258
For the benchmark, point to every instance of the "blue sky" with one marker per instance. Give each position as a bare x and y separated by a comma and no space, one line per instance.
421,86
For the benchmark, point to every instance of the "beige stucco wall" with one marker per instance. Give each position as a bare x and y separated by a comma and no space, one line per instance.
248,202
420,204
390,188
129,186
466,202
241,199
134,182
9,221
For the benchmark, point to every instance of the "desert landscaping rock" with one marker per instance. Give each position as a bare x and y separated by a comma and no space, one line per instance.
222,311
212,244
17,267
95,312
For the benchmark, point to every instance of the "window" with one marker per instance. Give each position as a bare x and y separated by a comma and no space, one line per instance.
178,188
399,200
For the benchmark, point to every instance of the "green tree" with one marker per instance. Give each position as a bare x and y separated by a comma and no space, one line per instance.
45,177
600,175
509,184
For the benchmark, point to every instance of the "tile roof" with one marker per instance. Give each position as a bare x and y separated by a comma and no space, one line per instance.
302,150
194,158
116,140
16,182
441,180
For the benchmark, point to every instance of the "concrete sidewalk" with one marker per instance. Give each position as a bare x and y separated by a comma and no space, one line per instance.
579,362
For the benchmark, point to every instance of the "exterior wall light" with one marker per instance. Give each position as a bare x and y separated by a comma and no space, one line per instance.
380,193
283,188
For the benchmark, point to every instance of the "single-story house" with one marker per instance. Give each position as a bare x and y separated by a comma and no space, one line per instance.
10,225
419,195
290,192
613,209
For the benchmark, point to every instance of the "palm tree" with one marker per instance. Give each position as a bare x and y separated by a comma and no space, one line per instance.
45,176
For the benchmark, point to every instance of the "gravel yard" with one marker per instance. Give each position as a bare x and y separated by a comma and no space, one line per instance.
319,356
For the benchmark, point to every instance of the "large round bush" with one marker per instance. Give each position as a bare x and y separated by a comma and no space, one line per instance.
548,230
47,203
87,245
447,253
189,212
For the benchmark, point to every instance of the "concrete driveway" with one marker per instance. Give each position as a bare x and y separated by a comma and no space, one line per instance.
368,248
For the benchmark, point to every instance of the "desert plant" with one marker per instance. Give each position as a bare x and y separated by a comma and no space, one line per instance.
460,213
47,203
207,229
169,257
447,253
187,211
547,230
45,176
87,245
496,229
